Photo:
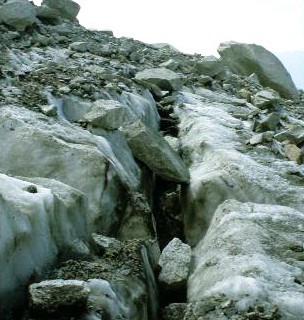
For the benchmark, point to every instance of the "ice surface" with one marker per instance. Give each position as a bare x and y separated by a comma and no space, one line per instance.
250,255
35,224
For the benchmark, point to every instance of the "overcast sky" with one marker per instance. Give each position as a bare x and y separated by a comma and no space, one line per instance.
199,26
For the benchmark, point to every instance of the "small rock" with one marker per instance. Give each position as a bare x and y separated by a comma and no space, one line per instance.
170,64
32,189
103,243
49,110
175,263
261,137
53,295
244,94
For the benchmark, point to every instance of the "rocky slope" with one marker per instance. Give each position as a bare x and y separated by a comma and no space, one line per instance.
141,183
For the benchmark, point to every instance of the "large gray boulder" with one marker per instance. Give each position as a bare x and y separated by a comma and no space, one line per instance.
152,149
164,78
250,261
67,9
246,59
18,14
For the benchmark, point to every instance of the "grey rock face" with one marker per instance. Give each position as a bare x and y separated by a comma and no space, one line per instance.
175,264
52,295
244,261
152,149
18,14
164,78
246,59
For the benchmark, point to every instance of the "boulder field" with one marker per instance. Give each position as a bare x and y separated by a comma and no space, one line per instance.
141,183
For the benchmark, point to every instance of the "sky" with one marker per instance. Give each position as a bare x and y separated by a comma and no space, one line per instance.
199,26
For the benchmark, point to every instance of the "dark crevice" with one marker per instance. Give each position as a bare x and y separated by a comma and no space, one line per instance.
167,211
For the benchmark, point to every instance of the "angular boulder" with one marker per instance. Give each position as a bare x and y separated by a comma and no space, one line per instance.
152,149
175,265
18,14
53,295
209,66
251,260
107,114
246,59
164,78
265,98
67,9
